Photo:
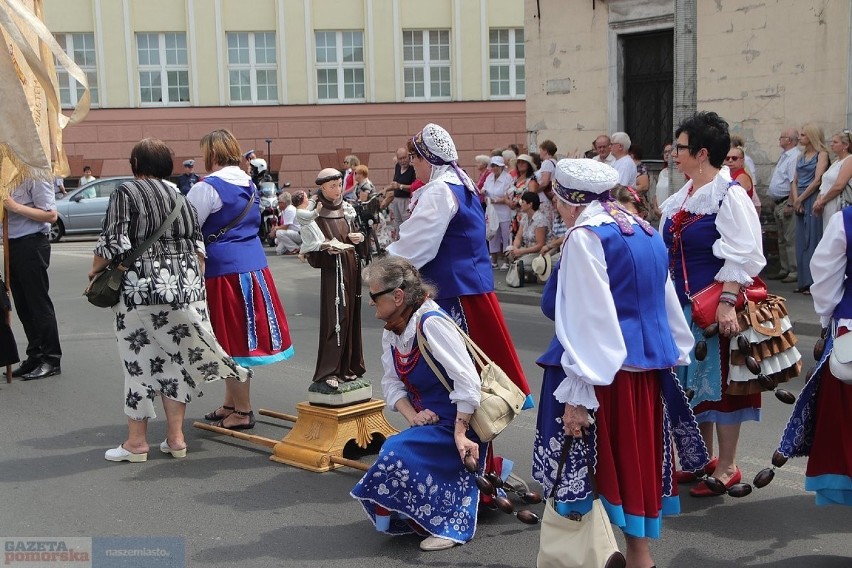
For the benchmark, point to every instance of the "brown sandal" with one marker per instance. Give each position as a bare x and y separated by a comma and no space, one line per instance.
248,426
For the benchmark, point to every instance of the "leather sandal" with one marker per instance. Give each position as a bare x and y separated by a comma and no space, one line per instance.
249,426
215,416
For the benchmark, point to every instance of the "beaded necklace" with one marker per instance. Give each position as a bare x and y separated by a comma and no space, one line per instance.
404,364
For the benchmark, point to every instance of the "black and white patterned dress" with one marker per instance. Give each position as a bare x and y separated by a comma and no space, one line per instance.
162,325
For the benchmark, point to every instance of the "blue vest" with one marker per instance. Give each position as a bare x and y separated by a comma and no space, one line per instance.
637,269
462,266
239,250
701,265
844,308
553,356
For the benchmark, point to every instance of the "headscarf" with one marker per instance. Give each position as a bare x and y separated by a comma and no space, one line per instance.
436,146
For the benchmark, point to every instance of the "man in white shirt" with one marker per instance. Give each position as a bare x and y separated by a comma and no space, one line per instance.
779,192
286,234
623,163
603,146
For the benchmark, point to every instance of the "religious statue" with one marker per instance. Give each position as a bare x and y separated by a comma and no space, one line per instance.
339,355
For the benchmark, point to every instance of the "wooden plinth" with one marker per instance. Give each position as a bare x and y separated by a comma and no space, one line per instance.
322,432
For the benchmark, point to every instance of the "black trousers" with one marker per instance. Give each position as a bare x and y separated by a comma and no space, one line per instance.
29,259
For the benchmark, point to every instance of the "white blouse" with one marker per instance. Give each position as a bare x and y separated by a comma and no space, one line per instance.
586,321
432,208
447,348
828,268
740,242
206,199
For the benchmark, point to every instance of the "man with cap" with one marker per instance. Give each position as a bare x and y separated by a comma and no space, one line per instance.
339,354
188,178
608,370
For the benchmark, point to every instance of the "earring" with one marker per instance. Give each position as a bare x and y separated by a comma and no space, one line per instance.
701,167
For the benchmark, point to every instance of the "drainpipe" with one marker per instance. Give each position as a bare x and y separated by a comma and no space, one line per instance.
685,74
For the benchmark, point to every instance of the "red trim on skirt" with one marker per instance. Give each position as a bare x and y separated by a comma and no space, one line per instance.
487,328
228,316
831,451
629,421
728,403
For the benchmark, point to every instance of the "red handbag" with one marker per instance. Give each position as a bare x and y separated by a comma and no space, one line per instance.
705,302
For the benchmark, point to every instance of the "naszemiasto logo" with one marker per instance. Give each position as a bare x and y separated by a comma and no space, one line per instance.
31,552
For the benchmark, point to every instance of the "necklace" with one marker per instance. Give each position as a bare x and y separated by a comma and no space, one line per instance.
404,364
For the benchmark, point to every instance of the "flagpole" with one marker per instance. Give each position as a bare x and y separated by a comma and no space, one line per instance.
6,280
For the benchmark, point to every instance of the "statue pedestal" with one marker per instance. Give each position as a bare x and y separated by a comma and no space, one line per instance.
321,433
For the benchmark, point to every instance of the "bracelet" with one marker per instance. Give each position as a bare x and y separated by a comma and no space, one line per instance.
731,301
729,295
465,422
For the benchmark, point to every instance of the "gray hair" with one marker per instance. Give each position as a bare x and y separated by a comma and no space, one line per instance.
285,198
621,138
482,159
394,271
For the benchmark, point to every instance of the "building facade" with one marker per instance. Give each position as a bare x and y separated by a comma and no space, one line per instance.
605,66
319,78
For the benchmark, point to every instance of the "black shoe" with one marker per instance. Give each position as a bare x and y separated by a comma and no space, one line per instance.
27,366
42,371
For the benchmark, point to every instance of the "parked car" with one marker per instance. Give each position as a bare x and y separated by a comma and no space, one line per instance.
83,209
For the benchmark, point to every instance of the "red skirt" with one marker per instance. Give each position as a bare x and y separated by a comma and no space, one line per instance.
831,451
231,316
487,328
630,448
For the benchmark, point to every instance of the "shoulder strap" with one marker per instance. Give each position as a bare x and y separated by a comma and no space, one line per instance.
566,449
213,237
423,344
146,244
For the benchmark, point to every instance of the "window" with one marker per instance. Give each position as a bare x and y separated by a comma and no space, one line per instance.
81,49
163,68
252,67
340,66
506,54
426,64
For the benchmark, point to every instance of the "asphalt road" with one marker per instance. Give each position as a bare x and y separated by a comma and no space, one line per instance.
232,506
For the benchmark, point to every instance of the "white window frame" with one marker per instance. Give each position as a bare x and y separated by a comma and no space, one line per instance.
164,68
512,62
73,42
253,67
427,64
341,68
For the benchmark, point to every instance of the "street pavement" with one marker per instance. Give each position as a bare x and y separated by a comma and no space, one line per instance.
229,505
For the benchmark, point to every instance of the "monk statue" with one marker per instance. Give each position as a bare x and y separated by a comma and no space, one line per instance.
339,355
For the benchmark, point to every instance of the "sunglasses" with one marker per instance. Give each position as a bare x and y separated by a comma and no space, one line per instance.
732,158
376,295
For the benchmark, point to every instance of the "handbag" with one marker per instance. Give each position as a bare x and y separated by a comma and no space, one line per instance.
492,222
577,541
840,361
515,277
104,290
501,400
705,302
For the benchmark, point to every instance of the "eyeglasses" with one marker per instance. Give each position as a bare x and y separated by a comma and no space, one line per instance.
376,295
732,158
678,147
784,138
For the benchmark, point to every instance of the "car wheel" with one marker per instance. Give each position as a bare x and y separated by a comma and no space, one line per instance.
57,230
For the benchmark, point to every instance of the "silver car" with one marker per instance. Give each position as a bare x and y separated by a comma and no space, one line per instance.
83,209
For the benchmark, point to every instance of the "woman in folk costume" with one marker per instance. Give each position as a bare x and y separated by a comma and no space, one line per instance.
713,235
339,353
419,482
821,424
445,239
245,311
608,379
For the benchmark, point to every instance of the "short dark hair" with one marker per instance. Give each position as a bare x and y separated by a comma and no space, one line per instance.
708,130
151,157
532,198
87,168
548,146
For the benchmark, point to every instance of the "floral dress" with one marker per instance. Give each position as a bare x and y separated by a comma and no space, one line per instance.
161,323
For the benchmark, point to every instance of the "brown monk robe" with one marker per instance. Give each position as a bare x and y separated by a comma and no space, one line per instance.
339,354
